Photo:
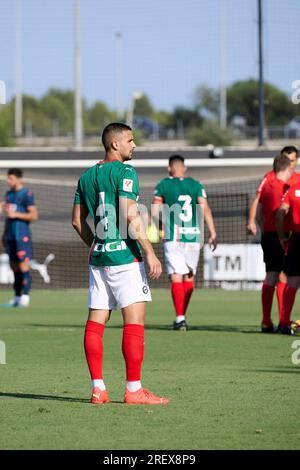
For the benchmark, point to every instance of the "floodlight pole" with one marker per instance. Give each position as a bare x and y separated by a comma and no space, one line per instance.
18,72
78,102
223,90
261,98
119,76
137,95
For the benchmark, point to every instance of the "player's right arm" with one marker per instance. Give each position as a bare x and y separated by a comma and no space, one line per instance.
251,225
79,216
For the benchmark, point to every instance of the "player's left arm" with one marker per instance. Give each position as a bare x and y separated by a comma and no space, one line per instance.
79,216
209,220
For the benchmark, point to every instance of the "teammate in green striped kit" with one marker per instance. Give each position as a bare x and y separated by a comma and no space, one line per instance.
184,207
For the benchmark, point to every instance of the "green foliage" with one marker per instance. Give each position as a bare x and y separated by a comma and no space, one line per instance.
207,101
162,117
54,113
143,107
185,117
6,123
242,99
138,136
97,117
209,133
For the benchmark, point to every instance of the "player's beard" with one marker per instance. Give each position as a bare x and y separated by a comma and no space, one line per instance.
127,157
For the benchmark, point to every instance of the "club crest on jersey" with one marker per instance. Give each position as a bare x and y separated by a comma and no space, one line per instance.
297,193
127,185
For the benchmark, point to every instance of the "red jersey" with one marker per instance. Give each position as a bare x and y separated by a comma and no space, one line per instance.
271,175
292,199
270,198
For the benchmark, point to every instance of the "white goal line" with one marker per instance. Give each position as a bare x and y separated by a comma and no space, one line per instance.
147,163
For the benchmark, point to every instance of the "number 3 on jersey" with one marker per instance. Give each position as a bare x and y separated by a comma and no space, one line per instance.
187,211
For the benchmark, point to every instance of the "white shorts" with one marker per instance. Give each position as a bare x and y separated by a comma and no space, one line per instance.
113,287
181,258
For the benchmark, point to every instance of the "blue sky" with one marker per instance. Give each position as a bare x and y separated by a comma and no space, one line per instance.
168,46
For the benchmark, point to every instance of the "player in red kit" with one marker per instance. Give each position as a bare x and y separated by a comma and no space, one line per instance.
292,153
270,198
290,206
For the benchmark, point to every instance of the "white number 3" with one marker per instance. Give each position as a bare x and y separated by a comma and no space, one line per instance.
187,212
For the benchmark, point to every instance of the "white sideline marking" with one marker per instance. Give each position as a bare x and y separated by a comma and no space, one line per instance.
147,163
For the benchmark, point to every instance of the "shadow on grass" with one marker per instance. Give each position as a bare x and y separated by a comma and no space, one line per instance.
278,370
215,328
32,396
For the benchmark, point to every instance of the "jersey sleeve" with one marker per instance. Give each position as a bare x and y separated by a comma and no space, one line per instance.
29,199
286,198
201,191
158,191
78,197
262,184
128,184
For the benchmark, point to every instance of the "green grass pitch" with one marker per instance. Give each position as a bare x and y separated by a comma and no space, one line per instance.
230,387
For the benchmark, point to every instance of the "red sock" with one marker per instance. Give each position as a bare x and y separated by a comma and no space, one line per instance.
178,295
188,290
133,350
288,302
280,287
93,346
267,294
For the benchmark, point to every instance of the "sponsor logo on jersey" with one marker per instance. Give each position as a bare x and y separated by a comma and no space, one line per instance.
110,247
189,230
127,185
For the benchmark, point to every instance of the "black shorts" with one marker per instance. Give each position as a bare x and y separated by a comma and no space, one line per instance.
293,256
274,256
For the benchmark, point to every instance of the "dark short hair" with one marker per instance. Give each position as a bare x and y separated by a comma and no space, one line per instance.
113,127
176,159
16,172
288,149
281,163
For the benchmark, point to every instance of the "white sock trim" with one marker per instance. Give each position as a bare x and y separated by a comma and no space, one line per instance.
180,318
98,383
133,386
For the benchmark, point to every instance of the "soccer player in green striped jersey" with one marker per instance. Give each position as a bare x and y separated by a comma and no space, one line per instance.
184,207
109,191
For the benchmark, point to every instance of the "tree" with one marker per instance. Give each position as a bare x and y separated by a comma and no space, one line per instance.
207,102
6,125
58,106
185,117
97,117
242,100
209,133
143,107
